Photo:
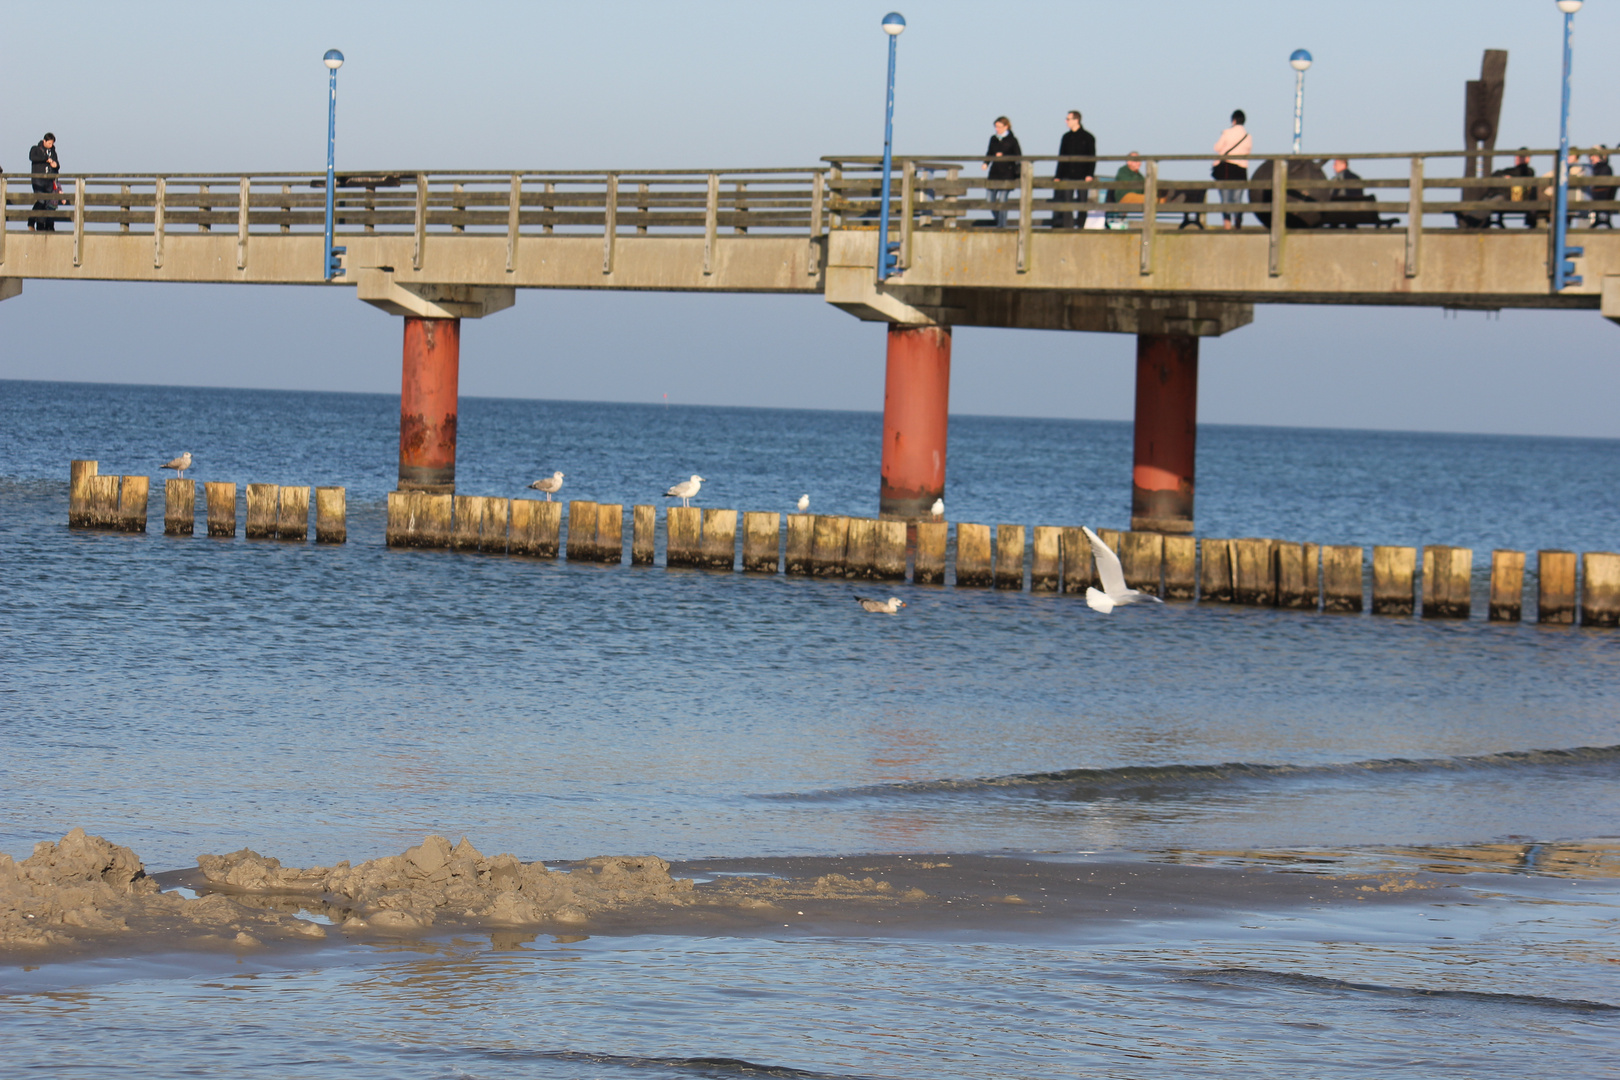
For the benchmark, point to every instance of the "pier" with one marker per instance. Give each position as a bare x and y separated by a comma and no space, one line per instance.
435,248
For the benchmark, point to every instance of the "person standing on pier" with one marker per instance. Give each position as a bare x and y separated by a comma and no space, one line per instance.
1003,145
1080,143
1598,159
1233,144
45,168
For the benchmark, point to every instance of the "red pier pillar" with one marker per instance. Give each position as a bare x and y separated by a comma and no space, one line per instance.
427,405
1166,433
916,410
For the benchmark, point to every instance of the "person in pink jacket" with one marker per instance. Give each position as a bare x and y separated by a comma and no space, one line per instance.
1233,145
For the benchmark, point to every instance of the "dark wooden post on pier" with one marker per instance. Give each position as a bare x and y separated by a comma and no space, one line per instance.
221,499
179,507
1507,585
643,539
1555,587
1448,582
1600,589
331,515
1166,433
928,563
427,405
916,411
1394,579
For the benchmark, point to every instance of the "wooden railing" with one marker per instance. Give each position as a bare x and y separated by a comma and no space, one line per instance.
943,192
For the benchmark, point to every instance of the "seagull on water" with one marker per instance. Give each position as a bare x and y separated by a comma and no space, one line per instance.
804,503
686,490
890,606
549,484
180,464
938,509
1114,592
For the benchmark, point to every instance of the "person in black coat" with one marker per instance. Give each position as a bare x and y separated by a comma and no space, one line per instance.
1080,143
1598,165
1521,167
1003,145
45,167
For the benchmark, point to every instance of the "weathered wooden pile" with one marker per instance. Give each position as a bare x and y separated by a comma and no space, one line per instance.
274,511
1255,571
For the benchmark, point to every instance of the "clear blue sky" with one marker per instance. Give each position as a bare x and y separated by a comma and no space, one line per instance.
171,86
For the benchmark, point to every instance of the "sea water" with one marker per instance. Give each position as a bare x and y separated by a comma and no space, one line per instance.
188,695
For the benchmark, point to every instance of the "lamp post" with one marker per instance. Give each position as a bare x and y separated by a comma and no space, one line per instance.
334,60
1299,60
894,24
1564,270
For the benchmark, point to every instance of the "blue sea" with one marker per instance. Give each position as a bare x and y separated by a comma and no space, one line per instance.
322,702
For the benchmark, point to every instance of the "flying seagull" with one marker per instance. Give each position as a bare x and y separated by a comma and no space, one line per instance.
180,464
938,509
686,490
804,503
549,484
1113,591
890,606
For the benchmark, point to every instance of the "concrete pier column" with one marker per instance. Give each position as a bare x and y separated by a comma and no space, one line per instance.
427,405
916,411
1166,433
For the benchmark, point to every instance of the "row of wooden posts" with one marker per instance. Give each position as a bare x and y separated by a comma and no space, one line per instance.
1252,571
274,511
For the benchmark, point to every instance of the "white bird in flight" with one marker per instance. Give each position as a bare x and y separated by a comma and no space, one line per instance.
686,490
549,484
804,503
1114,592
890,606
180,464
938,509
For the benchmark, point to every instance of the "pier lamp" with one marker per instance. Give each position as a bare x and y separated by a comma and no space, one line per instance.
1564,270
334,60
894,24
1299,60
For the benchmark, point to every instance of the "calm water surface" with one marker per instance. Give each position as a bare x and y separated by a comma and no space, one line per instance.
316,703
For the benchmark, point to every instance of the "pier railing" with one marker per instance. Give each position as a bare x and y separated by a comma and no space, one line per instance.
734,201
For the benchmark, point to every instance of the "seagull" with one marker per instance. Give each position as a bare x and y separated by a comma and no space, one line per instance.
938,509
549,484
804,503
686,490
890,606
1114,591
180,464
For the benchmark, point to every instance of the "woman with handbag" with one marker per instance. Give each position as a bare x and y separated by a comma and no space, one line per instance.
1233,144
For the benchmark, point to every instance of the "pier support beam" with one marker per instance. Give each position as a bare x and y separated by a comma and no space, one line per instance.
1166,433
916,410
427,405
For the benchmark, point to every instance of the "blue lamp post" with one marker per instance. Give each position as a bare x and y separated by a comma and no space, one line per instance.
1564,270
893,24
334,60
1299,60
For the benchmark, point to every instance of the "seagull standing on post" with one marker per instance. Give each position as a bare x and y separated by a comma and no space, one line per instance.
804,503
180,464
686,490
1114,592
549,484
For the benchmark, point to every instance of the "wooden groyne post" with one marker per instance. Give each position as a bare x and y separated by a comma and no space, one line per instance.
610,532
1180,567
1555,587
1254,572
1600,589
492,527
973,567
644,538
1507,585
889,562
1394,578
1075,550
80,473
928,562
801,541
1448,582
762,542
719,539
417,519
1046,559
536,528
292,516
1215,571
860,548
132,499
1009,565
1343,571
261,510
683,533
179,507
829,545
331,515
1141,558
221,499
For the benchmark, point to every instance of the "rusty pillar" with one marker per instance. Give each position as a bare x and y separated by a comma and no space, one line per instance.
1166,433
916,410
427,405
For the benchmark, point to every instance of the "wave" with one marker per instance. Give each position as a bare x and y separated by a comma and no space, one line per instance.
1293,981
717,1068
1148,780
